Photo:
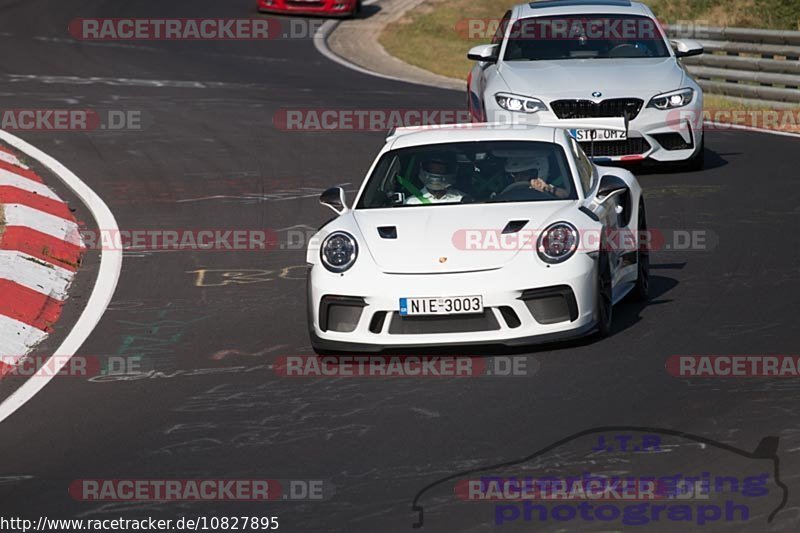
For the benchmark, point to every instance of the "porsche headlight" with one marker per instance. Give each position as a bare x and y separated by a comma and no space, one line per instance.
521,104
339,251
558,242
671,100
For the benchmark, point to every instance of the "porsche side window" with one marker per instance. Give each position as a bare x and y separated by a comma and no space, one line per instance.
585,167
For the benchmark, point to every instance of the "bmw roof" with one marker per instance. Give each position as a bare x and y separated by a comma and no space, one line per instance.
570,7
571,3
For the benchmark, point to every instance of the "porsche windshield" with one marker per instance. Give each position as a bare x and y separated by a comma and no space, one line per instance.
471,172
595,37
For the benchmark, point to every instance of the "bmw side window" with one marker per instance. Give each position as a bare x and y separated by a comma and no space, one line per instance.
585,167
501,29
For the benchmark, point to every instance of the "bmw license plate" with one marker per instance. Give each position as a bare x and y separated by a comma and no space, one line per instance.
461,305
599,135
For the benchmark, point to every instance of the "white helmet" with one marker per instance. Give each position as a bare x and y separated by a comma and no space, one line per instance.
522,164
438,173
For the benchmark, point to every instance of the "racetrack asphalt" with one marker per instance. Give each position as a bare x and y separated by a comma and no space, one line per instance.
209,157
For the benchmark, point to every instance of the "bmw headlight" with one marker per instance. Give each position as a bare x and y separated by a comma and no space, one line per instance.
339,251
671,100
558,242
521,104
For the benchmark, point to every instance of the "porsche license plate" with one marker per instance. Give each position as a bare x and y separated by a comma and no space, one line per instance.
461,305
599,135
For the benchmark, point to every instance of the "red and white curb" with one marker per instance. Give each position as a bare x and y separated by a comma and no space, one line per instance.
40,249
50,242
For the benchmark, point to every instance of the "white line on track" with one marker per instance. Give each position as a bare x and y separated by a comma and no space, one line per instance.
104,287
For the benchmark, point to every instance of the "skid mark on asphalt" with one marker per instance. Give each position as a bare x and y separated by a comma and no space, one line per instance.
243,187
12,480
125,82
682,191
222,354
62,40
138,375
291,419
222,416
303,192
155,337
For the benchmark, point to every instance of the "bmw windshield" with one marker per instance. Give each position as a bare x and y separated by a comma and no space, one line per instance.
469,172
575,37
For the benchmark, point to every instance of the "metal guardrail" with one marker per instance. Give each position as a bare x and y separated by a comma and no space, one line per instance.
746,63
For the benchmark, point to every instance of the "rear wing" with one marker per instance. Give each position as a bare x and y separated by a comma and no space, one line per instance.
403,130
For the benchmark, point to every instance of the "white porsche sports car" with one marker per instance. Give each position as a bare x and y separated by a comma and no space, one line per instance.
477,234
573,59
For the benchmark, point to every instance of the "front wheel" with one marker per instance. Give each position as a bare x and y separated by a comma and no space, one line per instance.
604,300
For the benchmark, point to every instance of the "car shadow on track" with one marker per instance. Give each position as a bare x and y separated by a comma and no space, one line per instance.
713,160
368,11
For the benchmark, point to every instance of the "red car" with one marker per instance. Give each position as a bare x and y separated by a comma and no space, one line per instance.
329,8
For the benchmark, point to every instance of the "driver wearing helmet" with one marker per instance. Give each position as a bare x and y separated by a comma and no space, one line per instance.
535,171
437,174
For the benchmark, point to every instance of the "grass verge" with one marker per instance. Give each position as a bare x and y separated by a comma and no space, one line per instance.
427,37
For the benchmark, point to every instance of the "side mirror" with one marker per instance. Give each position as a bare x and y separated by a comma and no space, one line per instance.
486,53
687,48
334,198
610,186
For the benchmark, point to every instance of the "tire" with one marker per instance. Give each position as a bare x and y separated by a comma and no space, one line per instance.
641,291
605,308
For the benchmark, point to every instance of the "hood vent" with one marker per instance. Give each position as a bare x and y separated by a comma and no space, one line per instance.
514,226
387,232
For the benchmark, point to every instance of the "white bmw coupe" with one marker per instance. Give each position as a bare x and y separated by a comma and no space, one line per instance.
477,234
572,59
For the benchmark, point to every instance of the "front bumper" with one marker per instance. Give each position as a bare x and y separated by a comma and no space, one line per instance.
663,136
559,304
331,8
